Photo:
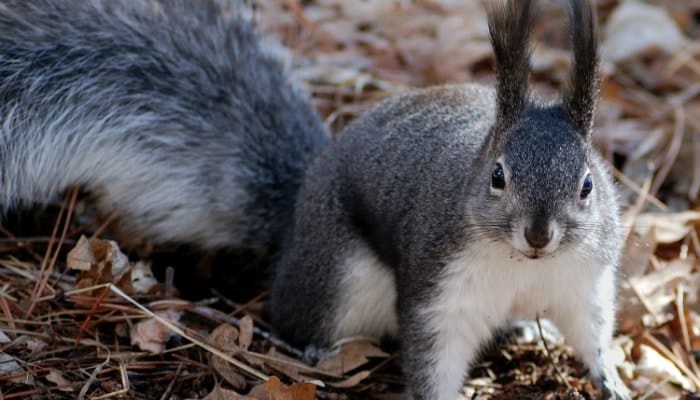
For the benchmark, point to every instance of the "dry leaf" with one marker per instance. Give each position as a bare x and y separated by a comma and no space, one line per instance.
228,372
81,257
107,262
224,337
667,227
349,355
658,288
656,367
4,339
352,381
246,335
142,279
55,376
284,364
636,28
224,394
151,335
10,366
297,391
273,389
36,345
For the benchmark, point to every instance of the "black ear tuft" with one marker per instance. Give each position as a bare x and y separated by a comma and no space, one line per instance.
510,25
579,97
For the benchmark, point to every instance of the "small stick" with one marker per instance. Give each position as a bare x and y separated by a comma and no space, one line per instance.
549,354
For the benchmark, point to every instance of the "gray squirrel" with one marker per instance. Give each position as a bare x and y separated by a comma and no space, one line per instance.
435,217
442,213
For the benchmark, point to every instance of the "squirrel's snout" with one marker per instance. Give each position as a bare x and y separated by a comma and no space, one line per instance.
538,237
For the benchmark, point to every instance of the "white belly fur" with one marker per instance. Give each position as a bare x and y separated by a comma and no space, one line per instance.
368,297
486,285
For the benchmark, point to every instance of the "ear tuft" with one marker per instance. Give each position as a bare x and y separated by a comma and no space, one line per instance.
580,96
510,25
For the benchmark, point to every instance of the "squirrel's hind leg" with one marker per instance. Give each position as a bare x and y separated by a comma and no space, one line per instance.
330,285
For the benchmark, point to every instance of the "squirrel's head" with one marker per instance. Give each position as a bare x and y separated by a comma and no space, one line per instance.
539,178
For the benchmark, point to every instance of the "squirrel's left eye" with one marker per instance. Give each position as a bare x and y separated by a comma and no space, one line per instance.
498,178
587,187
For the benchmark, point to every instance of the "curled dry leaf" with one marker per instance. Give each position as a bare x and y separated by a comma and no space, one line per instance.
35,345
220,393
142,279
228,372
4,339
351,381
653,365
283,364
276,390
151,334
108,251
246,335
636,28
10,366
349,355
658,288
63,384
224,338
667,227
101,261
81,257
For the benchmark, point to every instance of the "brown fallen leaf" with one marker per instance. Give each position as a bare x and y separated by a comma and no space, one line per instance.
276,390
224,337
668,227
151,335
349,355
10,366
63,384
636,28
101,261
224,394
81,257
141,277
352,381
246,336
656,367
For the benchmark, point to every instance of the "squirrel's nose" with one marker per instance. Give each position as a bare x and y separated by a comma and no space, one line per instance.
538,238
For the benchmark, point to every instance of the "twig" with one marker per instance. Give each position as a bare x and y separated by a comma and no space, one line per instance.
181,332
549,354
49,261
169,389
673,149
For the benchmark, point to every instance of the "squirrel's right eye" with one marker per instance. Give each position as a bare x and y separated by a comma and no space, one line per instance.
498,178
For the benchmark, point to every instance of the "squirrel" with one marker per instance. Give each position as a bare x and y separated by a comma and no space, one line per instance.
176,115
440,214
435,217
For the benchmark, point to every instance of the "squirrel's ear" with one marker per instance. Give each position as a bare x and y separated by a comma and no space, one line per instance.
510,25
580,95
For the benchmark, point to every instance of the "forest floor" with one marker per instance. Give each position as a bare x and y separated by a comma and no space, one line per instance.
105,327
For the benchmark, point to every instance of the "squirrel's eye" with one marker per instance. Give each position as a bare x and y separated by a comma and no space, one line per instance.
498,178
587,187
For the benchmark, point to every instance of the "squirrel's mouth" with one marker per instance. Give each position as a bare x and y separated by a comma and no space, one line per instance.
534,254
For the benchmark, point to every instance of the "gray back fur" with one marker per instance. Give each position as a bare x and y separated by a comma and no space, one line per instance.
172,112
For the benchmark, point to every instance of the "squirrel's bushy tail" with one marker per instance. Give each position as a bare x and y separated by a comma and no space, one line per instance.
172,112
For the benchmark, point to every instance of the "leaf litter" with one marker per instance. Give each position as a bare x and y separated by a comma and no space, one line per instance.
79,319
